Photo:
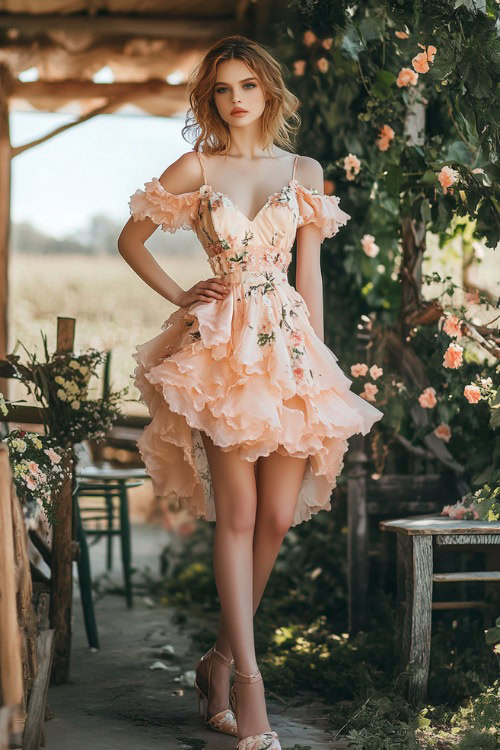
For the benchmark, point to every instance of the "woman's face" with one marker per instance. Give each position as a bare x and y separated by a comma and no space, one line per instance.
237,88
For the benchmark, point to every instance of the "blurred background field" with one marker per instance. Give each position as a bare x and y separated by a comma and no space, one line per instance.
113,307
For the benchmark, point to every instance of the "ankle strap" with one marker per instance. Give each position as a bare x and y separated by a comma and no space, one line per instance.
251,677
228,662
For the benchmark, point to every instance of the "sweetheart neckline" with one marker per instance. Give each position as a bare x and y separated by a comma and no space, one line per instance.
261,209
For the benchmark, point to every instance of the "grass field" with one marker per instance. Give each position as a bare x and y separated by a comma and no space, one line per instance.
113,307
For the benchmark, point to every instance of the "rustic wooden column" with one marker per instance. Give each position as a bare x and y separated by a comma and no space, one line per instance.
62,549
11,668
415,558
5,172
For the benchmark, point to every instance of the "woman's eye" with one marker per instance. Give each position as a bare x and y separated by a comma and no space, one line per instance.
252,85
221,91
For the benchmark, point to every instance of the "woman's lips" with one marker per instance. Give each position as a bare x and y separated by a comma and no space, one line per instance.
239,113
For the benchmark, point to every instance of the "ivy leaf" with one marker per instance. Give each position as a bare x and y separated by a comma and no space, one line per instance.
384,81
393,180
458,151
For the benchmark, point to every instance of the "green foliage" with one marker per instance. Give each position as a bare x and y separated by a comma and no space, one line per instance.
343,108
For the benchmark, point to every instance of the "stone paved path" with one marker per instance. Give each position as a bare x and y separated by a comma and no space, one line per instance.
114,701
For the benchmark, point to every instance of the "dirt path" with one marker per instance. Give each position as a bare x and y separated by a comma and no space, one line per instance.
115,701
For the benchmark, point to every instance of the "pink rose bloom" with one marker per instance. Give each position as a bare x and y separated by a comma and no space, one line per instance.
472,393
299,67
446,510
447,177
54,457
406,77
387,132
30,482
472,298
327,43
358,370
369,391
352,165
309,38
34,468
369,246
382,144
451,326
427,398
298,373
459,512
376,372
443,431
453,356
420,63
401,34
322,64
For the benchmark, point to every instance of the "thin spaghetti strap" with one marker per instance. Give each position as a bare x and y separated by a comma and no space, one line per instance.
295,166
202,165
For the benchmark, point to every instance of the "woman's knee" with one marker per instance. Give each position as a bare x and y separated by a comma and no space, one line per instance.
275,520
238,513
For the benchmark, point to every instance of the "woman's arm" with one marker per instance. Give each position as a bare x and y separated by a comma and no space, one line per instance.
182,176
309,282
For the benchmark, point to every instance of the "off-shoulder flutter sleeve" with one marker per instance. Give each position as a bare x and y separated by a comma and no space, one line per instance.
171,211
321,210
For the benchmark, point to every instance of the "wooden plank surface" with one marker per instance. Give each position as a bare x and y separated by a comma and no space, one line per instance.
437,524
471,575
38,699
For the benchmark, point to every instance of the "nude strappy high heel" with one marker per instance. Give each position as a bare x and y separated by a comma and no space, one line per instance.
224,721
264,741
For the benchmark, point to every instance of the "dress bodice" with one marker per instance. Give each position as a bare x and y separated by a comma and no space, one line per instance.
231,240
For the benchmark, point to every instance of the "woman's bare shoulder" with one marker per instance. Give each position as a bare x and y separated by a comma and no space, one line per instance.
309,172
183,175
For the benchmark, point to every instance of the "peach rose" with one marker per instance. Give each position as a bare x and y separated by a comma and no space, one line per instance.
430,51
427,398
322,64
447,177
472,393
443,432
402,35
299,67
451,326
34,468
369,392
370,248
376,372
358,370
352,165
309,38
453,356
385,137
406,77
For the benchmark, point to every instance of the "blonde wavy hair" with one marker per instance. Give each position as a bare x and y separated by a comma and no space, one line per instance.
205,127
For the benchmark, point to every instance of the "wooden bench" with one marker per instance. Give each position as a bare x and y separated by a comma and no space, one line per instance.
417,538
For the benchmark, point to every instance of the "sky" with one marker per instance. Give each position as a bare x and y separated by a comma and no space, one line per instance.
91,168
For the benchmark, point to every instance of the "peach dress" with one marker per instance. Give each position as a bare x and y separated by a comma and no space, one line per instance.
248,369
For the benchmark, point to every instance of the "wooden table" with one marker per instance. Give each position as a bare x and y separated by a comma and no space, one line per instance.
416,538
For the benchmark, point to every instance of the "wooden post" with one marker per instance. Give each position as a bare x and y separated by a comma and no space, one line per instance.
11,669
416,558
5,172
357,540
61,567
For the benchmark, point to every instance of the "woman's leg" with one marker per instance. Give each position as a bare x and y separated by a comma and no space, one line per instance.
278,483
235,494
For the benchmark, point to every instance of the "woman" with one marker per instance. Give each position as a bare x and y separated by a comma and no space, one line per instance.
250,410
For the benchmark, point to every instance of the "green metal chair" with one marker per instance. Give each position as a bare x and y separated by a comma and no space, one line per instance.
112,514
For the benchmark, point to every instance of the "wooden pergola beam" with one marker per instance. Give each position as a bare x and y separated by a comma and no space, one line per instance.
128,24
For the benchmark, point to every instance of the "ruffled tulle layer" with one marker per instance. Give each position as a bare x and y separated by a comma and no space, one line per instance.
250,372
